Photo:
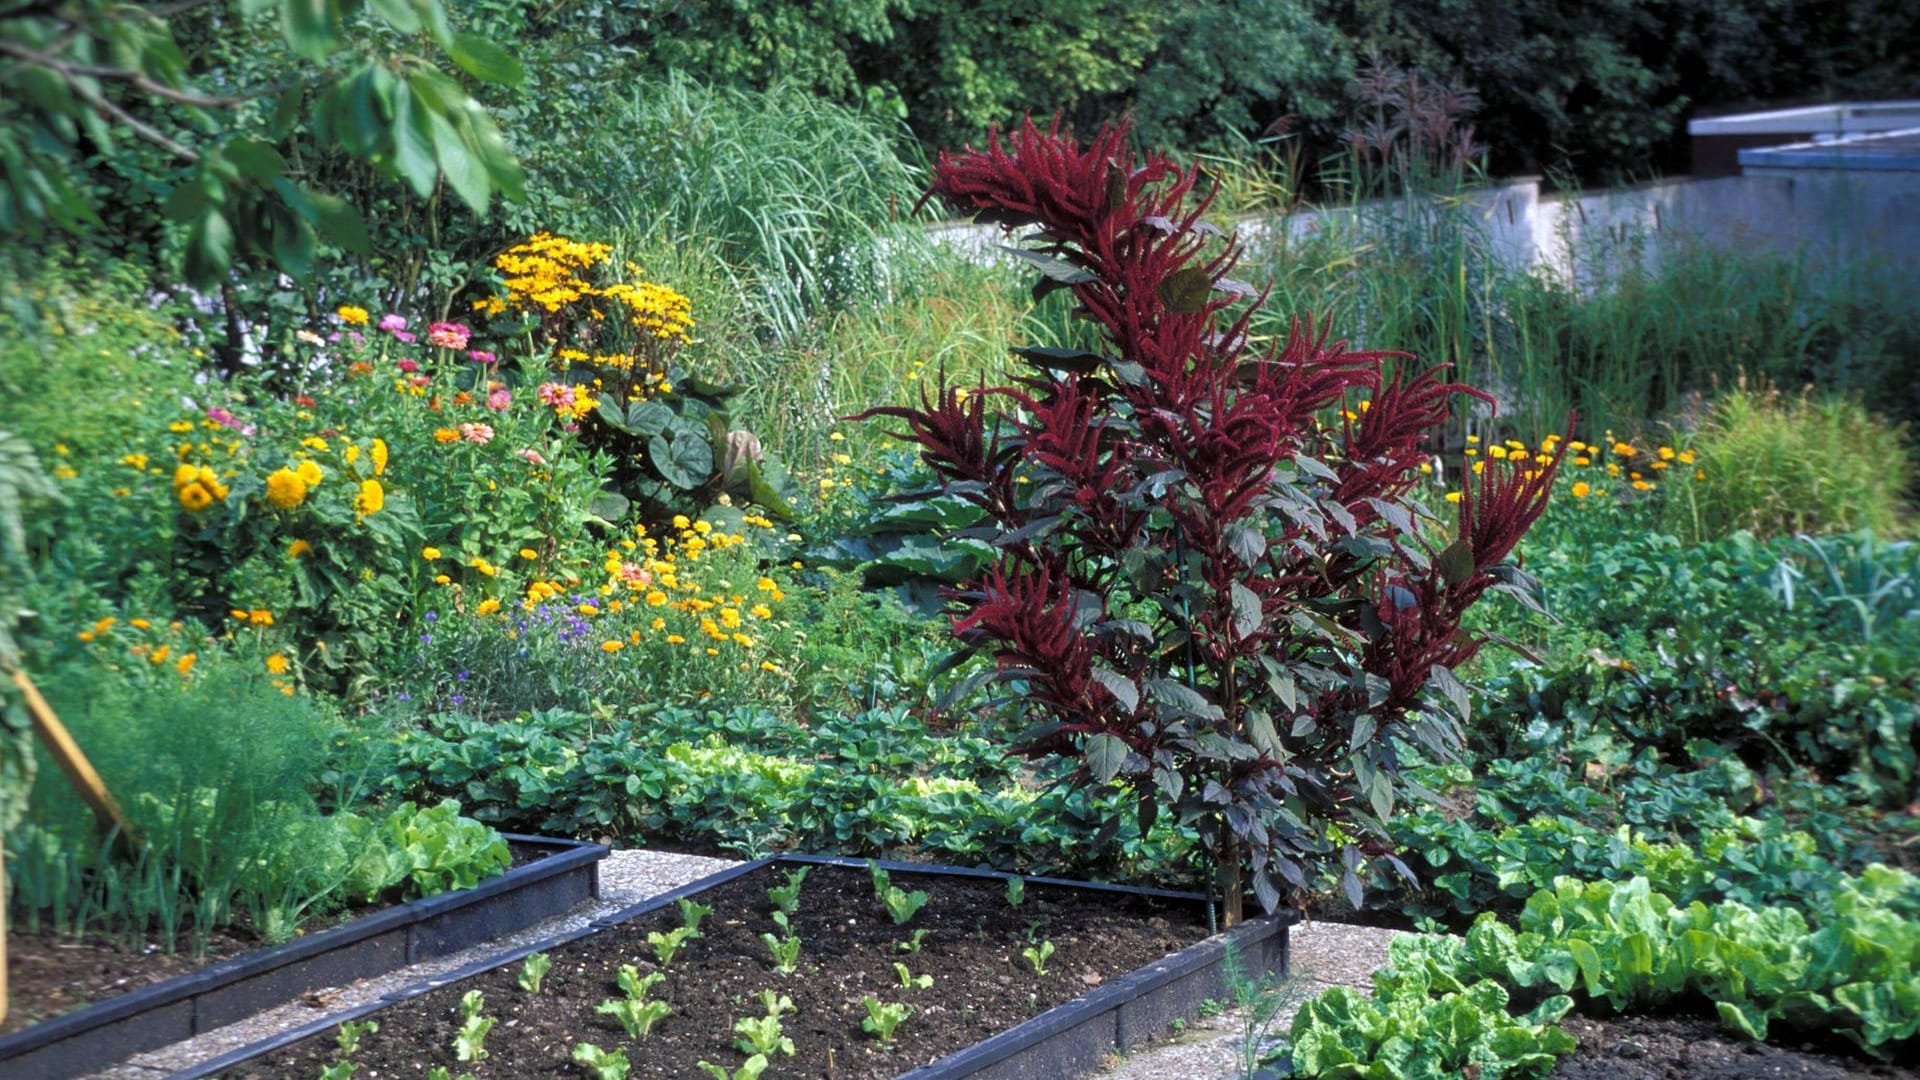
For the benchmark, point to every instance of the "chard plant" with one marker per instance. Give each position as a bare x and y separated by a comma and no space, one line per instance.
470,1041
636,1014
666,946
762,1035
600,1064
786,953
786,898
1038,955
692,914
748,1070
901,905
1213,584
533,972
350,1033
910,981
883,1019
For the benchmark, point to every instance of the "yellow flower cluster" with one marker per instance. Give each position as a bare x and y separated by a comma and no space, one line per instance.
155,645
197,487
545,271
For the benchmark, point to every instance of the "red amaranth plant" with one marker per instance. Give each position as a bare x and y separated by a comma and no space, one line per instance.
1213,584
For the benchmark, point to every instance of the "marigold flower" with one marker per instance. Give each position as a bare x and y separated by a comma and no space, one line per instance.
612,645
351,315
298,548
371,499
195,498
676,639
378,452
446,435
1453,496
529,554
441,579
487,606
1581,489
310,473
184,665
277,663
285,489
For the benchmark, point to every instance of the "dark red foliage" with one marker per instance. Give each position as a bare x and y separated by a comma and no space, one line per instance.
1213,582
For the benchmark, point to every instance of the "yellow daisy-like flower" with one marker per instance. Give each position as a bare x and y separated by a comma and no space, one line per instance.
298,548
371,499
446,435
184,665
195,498
351,315
429,553
285,489
441,579
378,452
277,664
1453,496
487,606
529,554
612,645
310,473
1582,489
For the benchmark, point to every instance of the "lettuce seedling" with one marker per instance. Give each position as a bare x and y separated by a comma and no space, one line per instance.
533,971
600,1064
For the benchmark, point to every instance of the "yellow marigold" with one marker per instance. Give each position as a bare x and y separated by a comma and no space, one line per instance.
314,442
1496,452
277,663
529,554
285,489
371,498
1583,460
159,655
351,315
1582,489
676,639
299,548
139,624
378,452
1687,456
184,665
1453,496
195,498
260,617
1666,453
180,427
446,435
487,606
441,579
311,473
762,611
612,645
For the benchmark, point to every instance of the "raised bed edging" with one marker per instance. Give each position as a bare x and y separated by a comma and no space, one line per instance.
1066,1040
219,994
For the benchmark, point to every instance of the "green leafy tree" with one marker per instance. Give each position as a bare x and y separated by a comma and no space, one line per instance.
217,110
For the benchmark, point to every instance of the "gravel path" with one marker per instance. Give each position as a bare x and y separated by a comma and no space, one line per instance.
1324,954
626,878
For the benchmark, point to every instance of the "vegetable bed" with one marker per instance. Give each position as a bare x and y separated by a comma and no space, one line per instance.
894,969
552,876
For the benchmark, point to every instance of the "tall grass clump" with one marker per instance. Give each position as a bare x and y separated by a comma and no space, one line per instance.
810,199
217,779
1778,463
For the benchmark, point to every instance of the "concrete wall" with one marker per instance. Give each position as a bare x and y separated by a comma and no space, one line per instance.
1815,213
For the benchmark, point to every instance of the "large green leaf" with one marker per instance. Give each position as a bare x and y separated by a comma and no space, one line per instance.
681,460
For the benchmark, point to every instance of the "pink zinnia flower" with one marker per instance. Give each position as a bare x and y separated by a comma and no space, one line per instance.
499,400
403,336
421,380
391,323
531,455
227,420
477,434
448,335
553,393
408,365
481,356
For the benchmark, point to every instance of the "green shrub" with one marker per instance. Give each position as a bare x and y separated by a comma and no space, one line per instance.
1794,463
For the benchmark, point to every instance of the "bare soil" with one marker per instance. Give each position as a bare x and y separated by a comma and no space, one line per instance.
1697,1048
972,949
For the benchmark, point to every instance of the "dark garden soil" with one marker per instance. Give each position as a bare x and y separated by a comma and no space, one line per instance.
50,975
1697,1048
972,949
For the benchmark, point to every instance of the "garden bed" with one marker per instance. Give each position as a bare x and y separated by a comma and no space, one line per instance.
130,1012
1698,1048
1124,964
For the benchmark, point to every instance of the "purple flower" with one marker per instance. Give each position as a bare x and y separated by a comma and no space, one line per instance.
481,356
433,616
391,323
402,335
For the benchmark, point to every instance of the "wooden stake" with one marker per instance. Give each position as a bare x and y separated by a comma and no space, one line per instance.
1233,890
67,754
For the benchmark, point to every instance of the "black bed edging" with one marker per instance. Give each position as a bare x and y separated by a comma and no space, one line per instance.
219,994
1067,1040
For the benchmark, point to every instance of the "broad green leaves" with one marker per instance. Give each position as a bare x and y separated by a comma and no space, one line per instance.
240,198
